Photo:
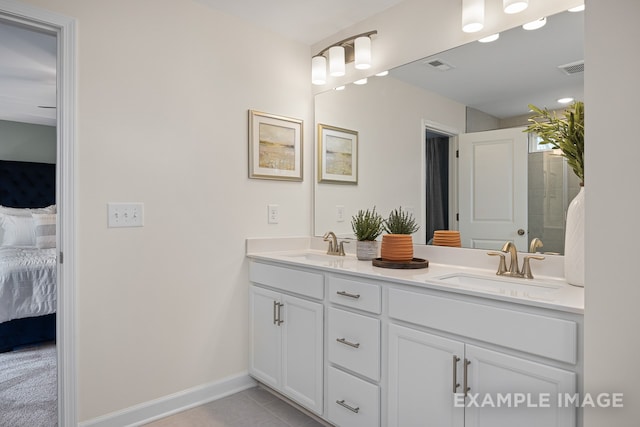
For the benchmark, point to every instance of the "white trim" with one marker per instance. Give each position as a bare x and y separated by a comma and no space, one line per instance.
65,29
168,405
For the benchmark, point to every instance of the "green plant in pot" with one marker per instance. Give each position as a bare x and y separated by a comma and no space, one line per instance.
367,226
567,134
397,245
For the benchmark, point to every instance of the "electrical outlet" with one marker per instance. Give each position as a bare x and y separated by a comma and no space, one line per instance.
125,214
273,214
339,213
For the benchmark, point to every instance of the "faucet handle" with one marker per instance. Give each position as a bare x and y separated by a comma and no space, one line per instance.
502,266
341,247
526,267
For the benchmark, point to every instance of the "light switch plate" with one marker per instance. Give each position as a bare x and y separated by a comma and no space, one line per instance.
125,214
339,213
273,214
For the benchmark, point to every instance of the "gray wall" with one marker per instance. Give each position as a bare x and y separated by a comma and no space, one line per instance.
27,142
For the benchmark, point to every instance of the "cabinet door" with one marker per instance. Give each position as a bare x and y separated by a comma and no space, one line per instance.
421,379
265,337
493,374
302,337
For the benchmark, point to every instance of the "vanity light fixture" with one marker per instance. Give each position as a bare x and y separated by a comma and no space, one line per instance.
534,25
356,48
490,38
472,15
514,6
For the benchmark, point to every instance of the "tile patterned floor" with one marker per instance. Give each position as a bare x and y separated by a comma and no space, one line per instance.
254,407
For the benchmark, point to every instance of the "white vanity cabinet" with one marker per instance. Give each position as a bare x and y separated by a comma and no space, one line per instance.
427,369
286,333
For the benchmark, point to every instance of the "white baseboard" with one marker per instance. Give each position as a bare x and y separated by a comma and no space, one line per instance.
168,405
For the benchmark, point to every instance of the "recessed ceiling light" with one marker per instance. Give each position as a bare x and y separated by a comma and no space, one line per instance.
361,82
565,100
339,88
490,38
534,25
383,73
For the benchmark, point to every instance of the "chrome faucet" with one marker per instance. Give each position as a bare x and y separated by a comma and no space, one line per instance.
334,248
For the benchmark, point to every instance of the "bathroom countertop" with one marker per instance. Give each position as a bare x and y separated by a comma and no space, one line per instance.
543,291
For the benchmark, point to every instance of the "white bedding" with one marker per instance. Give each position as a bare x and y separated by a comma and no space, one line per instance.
27,282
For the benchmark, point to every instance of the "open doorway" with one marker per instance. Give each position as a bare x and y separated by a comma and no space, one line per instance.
28,252
64,29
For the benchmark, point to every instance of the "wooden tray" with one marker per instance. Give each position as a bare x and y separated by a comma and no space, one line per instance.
414,263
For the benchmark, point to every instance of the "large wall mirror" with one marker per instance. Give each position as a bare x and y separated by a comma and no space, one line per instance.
411,123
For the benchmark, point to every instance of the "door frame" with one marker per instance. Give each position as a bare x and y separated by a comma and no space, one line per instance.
452,133
65,29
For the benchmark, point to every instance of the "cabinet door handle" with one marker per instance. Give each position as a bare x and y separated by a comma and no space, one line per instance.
347,294
349,407
279,321
350,344
275,312
456,384
466,382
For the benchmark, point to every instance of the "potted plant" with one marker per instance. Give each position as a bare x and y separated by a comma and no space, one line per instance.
567,134
367,226
397,245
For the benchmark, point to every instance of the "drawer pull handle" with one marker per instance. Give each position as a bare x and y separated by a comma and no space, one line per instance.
347,294
456,384
280,321
349,407
350,344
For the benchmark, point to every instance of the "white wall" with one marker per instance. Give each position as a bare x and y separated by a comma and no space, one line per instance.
27,142
388,116
612,205
163,92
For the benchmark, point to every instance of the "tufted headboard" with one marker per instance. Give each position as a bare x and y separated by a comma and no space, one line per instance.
27,184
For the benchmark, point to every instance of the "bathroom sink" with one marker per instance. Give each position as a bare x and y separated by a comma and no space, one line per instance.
515,287
317,258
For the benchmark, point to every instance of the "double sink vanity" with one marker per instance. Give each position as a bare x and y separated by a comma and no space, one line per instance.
448,345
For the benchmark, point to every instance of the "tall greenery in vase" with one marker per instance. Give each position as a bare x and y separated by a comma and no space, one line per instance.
563,133
400,222
367,225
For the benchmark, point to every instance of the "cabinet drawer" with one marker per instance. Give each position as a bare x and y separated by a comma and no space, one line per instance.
287,279
352,293
352,402
354,342
531,333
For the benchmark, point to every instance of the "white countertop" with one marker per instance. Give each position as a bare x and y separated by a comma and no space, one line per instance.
469,279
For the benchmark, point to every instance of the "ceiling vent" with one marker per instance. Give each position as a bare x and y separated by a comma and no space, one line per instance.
438,64
572,68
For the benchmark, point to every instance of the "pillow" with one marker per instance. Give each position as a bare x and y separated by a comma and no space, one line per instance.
17,230
45,230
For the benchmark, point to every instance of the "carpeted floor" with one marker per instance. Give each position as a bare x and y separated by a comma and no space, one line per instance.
28,387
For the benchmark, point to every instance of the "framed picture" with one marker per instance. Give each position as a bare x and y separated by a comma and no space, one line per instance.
275,147
337,155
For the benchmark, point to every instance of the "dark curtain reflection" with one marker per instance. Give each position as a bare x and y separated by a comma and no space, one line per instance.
437,152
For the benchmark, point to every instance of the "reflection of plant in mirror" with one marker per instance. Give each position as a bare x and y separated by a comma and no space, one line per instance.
566,134
367,225
400,222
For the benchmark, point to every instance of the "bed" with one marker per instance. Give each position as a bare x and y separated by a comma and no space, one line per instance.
28,270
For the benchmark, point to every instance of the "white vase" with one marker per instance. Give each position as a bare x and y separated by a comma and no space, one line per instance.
366,250
574,241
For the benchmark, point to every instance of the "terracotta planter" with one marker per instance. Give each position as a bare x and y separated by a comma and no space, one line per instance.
397,247
366,250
